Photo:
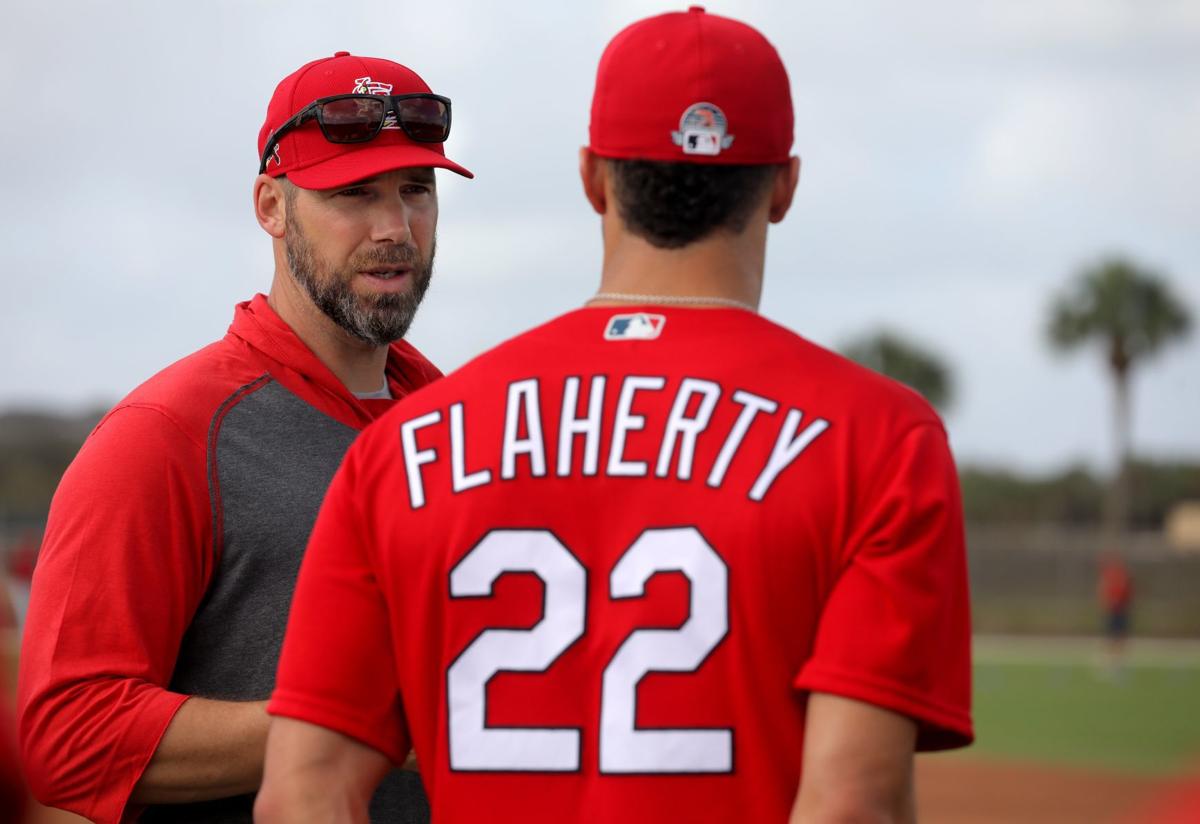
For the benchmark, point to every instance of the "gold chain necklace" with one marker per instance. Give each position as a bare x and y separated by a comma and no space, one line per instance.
673,300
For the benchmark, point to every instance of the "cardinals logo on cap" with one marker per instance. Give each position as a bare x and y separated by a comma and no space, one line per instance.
702,130
365,85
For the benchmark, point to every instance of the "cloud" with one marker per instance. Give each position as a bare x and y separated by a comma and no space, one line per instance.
1044,139
1073,146
1112,24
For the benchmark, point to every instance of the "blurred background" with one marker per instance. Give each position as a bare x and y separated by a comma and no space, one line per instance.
999,204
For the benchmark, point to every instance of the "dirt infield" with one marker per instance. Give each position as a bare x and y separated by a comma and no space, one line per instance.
957,790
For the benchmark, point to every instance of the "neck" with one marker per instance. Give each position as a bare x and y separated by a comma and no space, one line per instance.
358,365
724,266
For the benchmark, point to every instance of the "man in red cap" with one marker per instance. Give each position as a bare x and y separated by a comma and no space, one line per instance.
658,559
163,586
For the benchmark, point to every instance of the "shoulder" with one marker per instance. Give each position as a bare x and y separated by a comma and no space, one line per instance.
187,394
827,381
153,444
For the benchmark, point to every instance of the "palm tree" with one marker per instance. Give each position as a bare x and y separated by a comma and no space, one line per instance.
900,359
1130,311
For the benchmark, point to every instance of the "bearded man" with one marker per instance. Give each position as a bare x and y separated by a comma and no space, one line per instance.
175,537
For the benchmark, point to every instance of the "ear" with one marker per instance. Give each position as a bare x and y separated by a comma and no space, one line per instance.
784,187
270,205
593,171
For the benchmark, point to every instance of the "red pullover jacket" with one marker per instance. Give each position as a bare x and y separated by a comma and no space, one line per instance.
170,555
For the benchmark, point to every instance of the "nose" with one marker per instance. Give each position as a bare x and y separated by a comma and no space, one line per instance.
390,221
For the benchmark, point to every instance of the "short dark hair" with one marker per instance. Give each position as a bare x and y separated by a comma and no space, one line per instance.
674,204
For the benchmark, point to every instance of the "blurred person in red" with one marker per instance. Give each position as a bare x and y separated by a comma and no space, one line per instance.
1115,594
23,556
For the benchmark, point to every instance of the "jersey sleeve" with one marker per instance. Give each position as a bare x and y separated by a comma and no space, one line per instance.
125,560
895,630
337,666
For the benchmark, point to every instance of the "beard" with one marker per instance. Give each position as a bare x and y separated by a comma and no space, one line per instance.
377,319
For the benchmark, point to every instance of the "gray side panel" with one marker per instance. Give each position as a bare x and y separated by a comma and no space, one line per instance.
272,460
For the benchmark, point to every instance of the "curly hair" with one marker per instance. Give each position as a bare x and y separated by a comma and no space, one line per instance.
674,204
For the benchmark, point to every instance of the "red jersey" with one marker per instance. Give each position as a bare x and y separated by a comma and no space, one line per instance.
1116,586
592,575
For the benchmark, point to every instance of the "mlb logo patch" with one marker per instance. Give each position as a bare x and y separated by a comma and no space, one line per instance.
639,326
703,130
701,143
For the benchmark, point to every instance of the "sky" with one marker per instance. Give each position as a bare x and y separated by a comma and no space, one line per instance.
961,162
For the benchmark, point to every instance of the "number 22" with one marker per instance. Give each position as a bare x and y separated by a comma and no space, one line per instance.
624,749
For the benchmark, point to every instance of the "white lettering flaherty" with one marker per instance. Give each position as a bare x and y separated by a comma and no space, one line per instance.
673,436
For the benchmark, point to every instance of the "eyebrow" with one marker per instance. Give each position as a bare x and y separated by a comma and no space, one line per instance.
423,174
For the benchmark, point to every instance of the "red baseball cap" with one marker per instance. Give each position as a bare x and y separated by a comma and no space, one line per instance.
692,87
312,162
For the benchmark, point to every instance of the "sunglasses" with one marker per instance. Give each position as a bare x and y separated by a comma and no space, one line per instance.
357,118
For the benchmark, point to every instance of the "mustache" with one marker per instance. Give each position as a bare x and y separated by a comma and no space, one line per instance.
403,255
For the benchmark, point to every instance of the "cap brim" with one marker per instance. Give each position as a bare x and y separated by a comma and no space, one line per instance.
369,161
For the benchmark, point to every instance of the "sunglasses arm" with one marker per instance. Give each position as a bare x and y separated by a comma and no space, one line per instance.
294,122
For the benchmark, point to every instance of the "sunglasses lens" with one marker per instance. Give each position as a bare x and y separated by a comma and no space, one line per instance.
425,119
352,119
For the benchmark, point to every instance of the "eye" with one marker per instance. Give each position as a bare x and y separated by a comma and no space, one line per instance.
353,191
417,189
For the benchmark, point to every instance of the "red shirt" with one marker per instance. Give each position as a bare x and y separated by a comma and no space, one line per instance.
1116,586
128,558
593,574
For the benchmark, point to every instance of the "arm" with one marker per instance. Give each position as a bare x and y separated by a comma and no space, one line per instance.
126,559
314,774
211,749
858,764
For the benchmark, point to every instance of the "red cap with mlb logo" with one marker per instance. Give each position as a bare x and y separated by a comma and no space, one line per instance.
692,87
312,162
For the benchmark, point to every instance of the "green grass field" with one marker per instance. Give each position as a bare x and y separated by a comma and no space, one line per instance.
1052,701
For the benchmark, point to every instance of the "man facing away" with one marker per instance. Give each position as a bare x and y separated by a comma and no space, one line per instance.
174,539
659,559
